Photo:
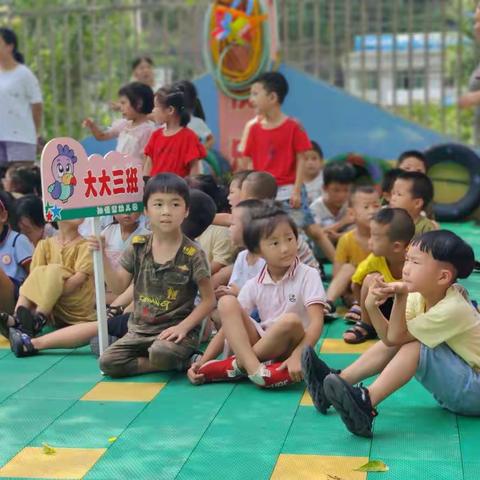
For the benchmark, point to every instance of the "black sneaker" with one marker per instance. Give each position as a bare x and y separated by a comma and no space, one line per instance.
314,372
29,323
21,343
352,403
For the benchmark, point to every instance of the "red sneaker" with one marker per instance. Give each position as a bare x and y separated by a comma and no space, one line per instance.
268,376
221,370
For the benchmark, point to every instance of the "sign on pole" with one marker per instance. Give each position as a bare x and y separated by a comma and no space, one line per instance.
77,186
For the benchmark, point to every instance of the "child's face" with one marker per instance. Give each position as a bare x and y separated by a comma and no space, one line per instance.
33,232
336,193
144,73
234,194
365,206
260,99
412,164
379,242
401,197
421,272
71,223
126,108
7,181
128,220
166,211
245,191
280,248
313,163
161,113
236,227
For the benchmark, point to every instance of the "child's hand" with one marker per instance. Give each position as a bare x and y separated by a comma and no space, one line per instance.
95,243
376,296
173,334
193,375
296,199
294,365
223,290
88,123
393,288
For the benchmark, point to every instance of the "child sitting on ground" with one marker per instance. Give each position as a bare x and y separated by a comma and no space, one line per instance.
289,298
59,289
433,333
412,161
167,270
15,257
313,172
135,101
331,209
277,144
413,191
353,246
390,233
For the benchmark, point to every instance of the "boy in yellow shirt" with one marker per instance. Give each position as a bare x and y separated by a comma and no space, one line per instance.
390,233
413,191
353,248
433,333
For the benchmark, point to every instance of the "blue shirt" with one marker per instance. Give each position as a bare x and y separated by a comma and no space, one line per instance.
15,251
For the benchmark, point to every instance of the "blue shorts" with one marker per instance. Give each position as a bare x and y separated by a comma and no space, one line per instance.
16,287
454,384
302,216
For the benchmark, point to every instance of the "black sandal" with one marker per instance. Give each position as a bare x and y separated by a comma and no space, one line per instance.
21,343
354,315
360,337
114,311
329,310
28,322
4,323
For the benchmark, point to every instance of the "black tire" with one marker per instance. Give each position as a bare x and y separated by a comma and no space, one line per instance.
462,155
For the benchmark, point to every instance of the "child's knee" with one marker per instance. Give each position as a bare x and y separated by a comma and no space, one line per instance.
226,304
291,322
113,366
165,355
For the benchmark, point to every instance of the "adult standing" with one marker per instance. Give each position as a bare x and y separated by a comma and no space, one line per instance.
21,104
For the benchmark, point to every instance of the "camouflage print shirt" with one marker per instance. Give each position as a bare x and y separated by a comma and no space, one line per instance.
164,294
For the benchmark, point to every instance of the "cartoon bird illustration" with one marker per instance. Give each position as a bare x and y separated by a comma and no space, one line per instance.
62,170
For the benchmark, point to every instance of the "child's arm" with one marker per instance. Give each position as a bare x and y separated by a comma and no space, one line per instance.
74,282
97,132
312,334
222,219
194,167
178,332
296,198
117,279
209,142
147,166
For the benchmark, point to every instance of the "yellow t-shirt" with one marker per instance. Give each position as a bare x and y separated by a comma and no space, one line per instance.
349,250
423,225
217,244
452,320
373,264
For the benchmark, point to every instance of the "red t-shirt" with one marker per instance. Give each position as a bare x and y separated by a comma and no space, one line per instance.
174,153
275,150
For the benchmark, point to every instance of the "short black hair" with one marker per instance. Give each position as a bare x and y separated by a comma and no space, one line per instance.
401,226
253,207
7,203
389,178
200,214
139,95
166,183
172,96
240,176
137,61
261,185
339,172
207,184
263,223
25,180
413,153
446,246
31,207
274,82
367,189
317,148
422,186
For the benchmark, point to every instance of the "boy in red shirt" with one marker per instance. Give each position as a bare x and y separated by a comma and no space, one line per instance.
277,144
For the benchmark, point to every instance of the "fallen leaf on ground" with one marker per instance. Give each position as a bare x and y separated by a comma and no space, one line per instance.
112,439
48,450
373,466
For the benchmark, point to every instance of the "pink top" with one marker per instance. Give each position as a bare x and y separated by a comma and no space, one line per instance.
132,139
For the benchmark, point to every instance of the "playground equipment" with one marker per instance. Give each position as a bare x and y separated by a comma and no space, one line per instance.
237,43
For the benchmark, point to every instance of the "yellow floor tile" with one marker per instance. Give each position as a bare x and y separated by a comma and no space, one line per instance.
337,345
32,462
317,467
4,343
123,391
306,400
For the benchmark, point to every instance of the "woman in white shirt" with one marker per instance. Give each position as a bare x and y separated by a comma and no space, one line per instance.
21,98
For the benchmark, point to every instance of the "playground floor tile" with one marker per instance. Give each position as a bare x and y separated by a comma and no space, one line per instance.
123,391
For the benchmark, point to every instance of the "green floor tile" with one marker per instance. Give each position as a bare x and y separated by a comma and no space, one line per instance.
167,431
150,377
419,469
469,431
90,424
316,434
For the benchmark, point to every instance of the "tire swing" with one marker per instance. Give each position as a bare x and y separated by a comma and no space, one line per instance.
455,172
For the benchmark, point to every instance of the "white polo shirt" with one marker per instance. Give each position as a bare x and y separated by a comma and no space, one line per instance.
298,289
